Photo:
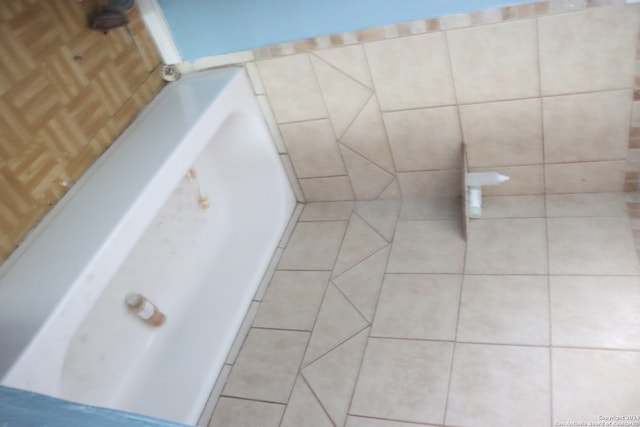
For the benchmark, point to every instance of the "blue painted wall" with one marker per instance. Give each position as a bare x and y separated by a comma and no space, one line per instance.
20,408
211,27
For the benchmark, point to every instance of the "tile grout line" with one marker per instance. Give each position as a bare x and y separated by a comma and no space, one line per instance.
300,363
419,171
370,323
341,145
624,350
336,346
313,392
475,103
454,88
355,384
504,344
297,187
548,248
328,119
394,178
355,212
310,333
380,114
247,399
366,346
455,337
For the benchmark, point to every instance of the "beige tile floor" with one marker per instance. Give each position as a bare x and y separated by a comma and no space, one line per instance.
380,315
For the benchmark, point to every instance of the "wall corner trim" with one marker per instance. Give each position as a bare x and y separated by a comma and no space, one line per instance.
159,29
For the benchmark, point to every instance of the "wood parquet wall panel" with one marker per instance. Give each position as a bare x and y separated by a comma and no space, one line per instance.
66,93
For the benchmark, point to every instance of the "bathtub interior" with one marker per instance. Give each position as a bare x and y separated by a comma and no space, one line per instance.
202,268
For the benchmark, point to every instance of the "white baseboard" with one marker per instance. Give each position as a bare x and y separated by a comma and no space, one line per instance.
159,29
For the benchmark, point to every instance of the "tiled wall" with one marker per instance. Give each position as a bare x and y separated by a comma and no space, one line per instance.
543,92
66,92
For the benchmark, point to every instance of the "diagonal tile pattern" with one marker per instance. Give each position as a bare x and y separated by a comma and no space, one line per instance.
343,96
338,320
361,283
368,179
333,377
381,215
351,60
505,328
333,86
366,135
359,242
377,335
304,408
545,327
392,192
556,117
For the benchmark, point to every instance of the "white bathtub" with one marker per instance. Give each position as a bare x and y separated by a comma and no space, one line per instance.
133,224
